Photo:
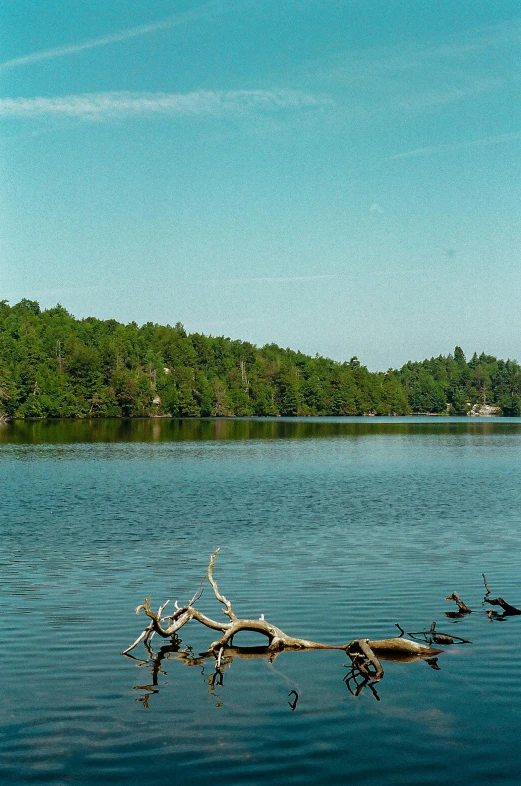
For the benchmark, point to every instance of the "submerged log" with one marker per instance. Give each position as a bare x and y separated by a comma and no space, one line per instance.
400,649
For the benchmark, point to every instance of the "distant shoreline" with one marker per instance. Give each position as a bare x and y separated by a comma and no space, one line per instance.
262,418
54,366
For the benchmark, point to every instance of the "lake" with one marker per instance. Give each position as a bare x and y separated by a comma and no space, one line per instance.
333,528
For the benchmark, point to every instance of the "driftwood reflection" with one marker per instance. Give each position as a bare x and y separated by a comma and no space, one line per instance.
293,703
365,669
212,670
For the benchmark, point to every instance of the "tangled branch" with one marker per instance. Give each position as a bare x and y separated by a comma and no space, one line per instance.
365,655
168,627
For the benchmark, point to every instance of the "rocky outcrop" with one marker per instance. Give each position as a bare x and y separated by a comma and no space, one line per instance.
484,411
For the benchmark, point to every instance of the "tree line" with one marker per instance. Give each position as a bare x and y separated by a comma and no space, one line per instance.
55,366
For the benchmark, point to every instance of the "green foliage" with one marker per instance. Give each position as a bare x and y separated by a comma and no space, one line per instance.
53,365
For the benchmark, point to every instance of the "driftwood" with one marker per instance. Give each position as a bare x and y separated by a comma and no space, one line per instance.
356,680
364,670
365,655
462,607
277,638
508,609
434,636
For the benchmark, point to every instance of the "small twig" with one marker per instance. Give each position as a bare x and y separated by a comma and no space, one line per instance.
402,632
432,635
197,594
162,608
507,607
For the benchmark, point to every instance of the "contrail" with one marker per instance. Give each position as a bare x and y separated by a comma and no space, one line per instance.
212,8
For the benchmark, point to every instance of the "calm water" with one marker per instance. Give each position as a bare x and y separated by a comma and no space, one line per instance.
333,529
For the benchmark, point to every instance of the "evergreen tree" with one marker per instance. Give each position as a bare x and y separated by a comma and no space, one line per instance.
53,365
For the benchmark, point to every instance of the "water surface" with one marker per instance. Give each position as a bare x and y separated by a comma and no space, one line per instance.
332,528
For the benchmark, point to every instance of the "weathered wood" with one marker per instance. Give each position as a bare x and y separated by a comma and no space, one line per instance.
277,638
432,635
398,646
464,609
507,608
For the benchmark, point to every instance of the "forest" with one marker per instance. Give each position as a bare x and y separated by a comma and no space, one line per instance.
55,366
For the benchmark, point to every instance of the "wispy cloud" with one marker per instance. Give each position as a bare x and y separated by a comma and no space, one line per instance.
453,55
207,10
112,105
412,77
487,140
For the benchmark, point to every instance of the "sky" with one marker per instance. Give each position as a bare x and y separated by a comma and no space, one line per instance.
338,176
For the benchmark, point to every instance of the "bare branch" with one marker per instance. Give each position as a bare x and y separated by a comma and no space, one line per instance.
197,594
509,610
486,584
226,603
432,635
370,661
138,640
162,608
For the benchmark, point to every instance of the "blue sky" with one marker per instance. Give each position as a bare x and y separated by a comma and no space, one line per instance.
337,176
